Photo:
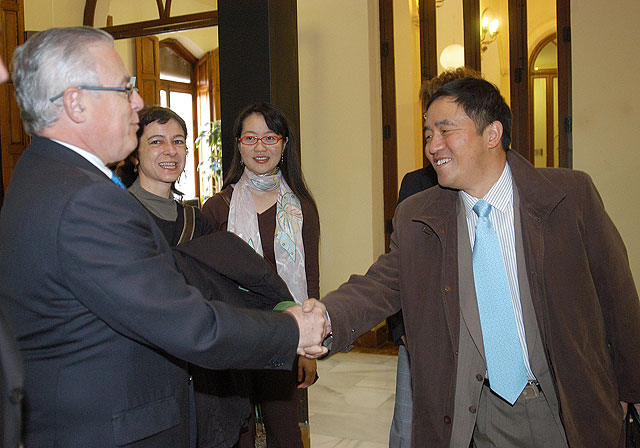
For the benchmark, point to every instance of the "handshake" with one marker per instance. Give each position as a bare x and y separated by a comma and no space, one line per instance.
314,326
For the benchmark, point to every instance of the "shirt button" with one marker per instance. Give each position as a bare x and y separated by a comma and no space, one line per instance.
479,377
472,409
447,419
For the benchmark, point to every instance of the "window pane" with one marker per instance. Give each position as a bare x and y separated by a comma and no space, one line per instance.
494,44
163,98
540,121
548,57
181,103
173,67
449,35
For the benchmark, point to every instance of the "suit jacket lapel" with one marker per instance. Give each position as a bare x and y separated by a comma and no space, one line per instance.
48,149
468,300
528,313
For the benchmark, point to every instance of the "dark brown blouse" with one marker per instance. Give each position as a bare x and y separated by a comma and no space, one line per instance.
216,210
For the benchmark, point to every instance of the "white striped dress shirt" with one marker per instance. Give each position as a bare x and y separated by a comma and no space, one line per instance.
500,196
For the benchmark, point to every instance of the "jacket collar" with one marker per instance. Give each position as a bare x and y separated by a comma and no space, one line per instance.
47,148
535,190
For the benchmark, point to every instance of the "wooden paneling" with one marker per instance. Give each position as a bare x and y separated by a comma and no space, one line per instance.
148,69
204,82
565,143
471,26
214,68
389,125
428,50
164,25
13,139
519,63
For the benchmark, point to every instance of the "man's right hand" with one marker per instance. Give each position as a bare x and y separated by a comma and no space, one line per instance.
313,324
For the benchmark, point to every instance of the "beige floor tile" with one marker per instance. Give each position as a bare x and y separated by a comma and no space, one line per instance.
351,405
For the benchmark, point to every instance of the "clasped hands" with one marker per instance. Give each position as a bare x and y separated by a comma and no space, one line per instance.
314,327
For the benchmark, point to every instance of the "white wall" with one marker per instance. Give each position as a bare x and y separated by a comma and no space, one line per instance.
606,109
340,121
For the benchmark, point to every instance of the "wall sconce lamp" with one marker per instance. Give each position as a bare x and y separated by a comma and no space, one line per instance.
488,30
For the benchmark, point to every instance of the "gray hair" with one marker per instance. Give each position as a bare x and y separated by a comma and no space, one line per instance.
49,63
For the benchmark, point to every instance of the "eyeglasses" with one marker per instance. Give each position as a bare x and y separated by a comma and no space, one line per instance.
128,89
251,140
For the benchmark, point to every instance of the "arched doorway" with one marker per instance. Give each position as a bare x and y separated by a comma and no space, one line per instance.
543,102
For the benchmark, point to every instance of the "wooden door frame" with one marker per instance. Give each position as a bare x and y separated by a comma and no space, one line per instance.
175,46
13,138
389,124
163,24
548,75
565,131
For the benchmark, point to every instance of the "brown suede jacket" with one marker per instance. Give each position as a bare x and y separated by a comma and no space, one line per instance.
582,289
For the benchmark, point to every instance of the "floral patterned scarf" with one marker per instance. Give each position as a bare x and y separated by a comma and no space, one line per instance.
288,245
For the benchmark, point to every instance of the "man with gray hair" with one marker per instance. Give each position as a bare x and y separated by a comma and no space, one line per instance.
104,319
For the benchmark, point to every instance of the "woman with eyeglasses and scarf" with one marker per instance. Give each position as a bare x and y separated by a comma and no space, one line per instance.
266,202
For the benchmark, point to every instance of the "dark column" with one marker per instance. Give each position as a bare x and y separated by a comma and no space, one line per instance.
519,63
565,144
471,19
258,61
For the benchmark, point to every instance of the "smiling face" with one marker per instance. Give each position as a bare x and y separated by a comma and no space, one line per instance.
462,158
112,119
161,156
259,158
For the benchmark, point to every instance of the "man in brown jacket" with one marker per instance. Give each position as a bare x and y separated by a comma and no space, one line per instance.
571,295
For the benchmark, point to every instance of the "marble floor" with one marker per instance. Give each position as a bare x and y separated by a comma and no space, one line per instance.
351,405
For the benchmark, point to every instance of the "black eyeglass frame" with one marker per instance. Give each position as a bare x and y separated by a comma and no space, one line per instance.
128,89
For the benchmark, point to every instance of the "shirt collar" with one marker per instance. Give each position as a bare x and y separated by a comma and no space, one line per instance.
90,157
500,195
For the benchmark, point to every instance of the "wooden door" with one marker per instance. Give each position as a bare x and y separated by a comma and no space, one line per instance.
208,87
13,139
207,107
148,69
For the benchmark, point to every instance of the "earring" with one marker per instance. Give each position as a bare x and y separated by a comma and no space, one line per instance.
135,168
241,162
282,157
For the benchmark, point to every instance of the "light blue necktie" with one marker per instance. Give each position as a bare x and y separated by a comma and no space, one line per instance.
116,180
502,349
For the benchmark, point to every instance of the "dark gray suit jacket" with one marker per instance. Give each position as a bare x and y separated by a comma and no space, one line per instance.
103,317
11,386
